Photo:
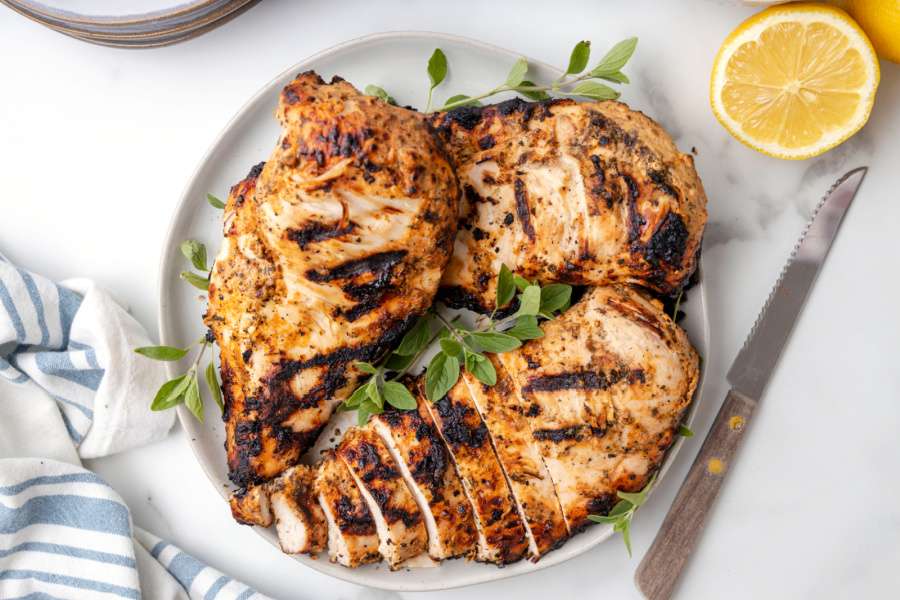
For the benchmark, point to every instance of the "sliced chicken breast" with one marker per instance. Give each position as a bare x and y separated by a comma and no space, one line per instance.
501,534
428,470
352,536
299,520
250,506
401,531
603,392
528,478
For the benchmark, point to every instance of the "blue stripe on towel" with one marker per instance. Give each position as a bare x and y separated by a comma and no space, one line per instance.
216,587
84,477
75,435
74,552
36,595
10,306
69,303
35,296
87,412
245,594
81,512
158,548
185,568
73,582
60,365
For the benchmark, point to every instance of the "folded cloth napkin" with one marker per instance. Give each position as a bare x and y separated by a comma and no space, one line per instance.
70,386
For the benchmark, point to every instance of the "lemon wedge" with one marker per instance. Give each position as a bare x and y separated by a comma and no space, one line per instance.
794,80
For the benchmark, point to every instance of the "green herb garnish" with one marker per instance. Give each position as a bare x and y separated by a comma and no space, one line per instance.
378,92
622,513
215,202
685,431
186,388
573,83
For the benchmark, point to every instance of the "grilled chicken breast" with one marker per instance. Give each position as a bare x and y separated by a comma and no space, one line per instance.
332,248
585,193
352,537
603,392
428,470
501,534
401,532
520,459
299,520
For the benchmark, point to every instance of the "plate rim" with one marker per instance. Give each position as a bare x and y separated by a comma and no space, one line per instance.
356,576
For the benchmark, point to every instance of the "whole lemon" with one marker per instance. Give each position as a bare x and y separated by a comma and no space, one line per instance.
880,19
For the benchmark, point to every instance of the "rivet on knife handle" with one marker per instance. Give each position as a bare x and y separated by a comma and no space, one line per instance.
658,573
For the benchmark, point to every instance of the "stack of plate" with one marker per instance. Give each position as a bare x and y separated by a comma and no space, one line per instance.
131,23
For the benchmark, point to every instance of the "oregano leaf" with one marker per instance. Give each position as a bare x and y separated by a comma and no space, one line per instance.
517,73
167,353
398,396
578,60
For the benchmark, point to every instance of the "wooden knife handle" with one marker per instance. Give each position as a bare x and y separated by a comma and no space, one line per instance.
658,572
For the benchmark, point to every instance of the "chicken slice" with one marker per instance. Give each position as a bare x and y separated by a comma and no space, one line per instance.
398,521
501,535
603,392
332,249
251,506
352,536
586,193
428,470
522,464
299,520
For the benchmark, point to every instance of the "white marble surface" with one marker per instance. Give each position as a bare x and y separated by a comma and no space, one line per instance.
96,145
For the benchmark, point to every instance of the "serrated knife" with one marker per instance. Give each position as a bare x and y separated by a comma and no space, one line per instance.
751,370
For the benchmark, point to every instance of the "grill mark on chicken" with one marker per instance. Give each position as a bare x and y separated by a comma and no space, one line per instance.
355,518
454,426
318,232
668,241
558,435
377,263
582,380
522,209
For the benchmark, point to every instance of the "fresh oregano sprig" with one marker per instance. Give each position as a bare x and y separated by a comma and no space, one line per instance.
622,513
573,83
186,388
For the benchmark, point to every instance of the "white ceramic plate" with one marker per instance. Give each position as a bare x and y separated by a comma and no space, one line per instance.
396,61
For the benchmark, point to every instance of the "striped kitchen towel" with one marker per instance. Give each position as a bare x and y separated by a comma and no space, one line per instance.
64,533
70,387
77,344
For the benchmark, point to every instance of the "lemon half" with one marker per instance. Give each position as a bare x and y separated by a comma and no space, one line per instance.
795,80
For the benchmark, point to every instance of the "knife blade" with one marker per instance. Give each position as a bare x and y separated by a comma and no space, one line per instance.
658,573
